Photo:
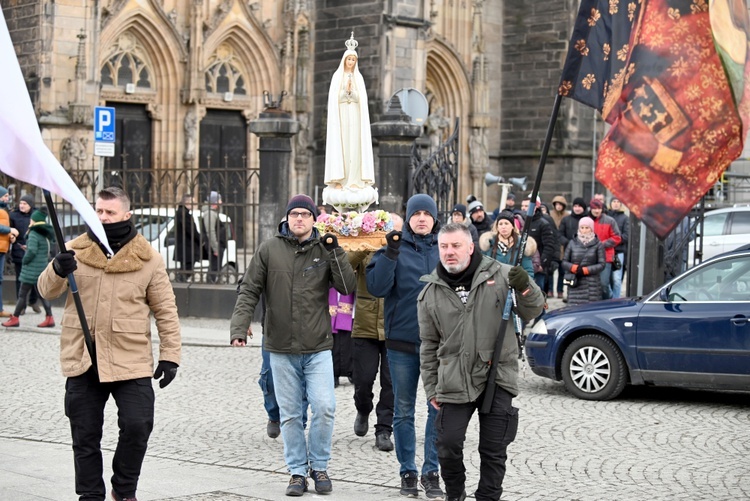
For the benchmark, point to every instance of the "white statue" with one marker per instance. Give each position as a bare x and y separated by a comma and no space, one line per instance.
350,172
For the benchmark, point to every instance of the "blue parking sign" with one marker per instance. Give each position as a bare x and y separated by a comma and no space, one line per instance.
104,124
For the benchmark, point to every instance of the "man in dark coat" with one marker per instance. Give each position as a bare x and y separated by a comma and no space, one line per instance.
187,246
545,234
394,274
479,218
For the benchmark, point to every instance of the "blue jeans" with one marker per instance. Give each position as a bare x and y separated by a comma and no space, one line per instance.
617,276
303,376
266,385
269,393
405,377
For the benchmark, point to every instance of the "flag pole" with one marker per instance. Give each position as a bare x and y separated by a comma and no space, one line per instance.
489,391
71,280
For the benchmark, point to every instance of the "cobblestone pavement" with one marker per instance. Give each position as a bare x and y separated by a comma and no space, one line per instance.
210,443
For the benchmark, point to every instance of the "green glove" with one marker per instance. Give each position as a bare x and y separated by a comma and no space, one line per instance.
518,278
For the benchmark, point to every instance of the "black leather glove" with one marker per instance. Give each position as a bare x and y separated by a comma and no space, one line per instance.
518,278
64,263
330,241
394,240
166,369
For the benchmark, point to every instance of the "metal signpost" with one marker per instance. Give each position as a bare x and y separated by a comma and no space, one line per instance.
104,138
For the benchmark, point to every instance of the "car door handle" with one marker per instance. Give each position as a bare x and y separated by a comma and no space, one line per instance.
739,321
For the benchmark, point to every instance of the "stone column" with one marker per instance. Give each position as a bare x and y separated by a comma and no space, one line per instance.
395,134
275,129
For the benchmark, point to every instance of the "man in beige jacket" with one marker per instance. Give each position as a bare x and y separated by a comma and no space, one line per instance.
118,292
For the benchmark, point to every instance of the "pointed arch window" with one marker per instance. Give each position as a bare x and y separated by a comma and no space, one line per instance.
126,66
224,74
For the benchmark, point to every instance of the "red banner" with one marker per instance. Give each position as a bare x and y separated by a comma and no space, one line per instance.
677,104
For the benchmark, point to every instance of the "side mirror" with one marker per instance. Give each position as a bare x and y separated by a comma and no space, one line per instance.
169,241
664,295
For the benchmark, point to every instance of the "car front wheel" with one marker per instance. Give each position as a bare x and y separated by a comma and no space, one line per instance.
593,368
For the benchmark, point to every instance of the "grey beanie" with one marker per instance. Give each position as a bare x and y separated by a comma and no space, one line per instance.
474,206
29,199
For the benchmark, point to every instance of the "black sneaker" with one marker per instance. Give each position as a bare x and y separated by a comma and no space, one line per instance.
297,486
456,498
322,481
361,424
430,483
409,484
383,441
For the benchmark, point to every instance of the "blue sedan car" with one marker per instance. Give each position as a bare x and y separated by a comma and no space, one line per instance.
691,332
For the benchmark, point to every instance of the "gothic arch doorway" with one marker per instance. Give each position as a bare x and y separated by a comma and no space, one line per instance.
130,168
223,163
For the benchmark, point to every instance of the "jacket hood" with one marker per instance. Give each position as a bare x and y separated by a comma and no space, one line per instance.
44,229
561,199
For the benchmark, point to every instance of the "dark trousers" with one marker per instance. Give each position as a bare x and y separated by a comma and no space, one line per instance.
342,354
85,398
214,265
21,303
497,430
34,293
368,356
185,271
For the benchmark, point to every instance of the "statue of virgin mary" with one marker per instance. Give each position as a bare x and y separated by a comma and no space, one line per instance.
349,169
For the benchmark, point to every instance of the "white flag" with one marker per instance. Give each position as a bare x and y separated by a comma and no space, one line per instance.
23,154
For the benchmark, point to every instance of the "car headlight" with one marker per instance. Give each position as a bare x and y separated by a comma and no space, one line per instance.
540,327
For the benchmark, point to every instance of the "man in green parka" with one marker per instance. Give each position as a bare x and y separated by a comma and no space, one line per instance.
294,271
460,311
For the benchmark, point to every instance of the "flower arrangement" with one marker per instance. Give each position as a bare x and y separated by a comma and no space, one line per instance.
354,224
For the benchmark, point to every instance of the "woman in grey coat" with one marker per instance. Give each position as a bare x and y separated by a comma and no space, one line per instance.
584,261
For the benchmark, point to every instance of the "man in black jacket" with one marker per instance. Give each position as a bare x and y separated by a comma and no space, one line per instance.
545,234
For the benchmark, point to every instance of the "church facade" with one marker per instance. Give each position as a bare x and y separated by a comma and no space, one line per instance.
186,76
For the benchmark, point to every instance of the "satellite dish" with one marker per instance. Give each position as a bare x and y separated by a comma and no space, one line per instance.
414,104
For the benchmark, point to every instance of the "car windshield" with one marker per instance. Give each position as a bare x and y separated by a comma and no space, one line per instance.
150,225
723,280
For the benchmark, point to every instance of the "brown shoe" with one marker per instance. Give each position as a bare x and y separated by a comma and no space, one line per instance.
5,314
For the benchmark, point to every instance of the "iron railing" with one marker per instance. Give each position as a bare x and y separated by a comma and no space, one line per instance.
438,175
155,194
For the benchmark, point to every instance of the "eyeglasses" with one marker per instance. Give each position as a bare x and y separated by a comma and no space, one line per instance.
303,215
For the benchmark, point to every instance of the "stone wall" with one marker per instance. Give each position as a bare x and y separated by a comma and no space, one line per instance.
535,45
23,18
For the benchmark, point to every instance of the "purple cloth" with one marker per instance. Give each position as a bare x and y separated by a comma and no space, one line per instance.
340,308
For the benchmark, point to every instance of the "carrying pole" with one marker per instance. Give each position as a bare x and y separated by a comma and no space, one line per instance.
71,280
